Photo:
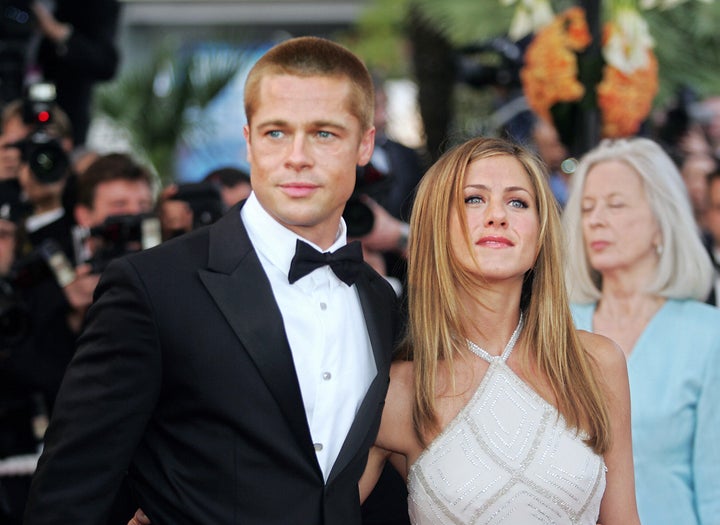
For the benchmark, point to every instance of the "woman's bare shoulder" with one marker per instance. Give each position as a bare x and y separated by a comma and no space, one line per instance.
402,381
606,353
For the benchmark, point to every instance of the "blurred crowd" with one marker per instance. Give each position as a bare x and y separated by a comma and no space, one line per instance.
66,211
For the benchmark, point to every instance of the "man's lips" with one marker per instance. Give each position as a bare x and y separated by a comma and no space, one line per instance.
494,242
298,189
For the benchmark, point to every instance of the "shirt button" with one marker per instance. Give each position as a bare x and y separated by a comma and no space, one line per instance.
318,447
327,376
323,306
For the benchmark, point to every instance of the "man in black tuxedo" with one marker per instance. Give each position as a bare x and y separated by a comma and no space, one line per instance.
228,385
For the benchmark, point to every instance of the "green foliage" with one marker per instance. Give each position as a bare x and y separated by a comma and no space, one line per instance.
378,37
686,36
158,105
687,44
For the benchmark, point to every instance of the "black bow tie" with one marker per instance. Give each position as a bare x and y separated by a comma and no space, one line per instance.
345,262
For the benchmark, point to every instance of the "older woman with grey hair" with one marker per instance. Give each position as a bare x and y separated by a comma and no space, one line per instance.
638,273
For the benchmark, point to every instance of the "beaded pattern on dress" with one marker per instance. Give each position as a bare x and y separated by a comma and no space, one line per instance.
507,458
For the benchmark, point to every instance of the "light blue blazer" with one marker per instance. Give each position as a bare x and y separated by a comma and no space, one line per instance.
674,373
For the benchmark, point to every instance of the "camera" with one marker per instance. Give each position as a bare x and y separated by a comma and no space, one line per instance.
47,159
374,183
42,151
494,62
204,199
119,235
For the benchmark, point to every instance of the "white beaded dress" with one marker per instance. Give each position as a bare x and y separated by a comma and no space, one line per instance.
508,458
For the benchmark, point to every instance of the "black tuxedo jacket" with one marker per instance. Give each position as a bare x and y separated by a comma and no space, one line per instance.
184,378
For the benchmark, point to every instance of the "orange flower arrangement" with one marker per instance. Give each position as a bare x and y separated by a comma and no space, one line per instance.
625,100
550,74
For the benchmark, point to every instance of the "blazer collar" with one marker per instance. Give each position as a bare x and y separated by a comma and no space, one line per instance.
241,290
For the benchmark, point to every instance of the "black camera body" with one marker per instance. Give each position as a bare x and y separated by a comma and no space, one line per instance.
204,199
120,235
494,62
374,183
42,151
46,157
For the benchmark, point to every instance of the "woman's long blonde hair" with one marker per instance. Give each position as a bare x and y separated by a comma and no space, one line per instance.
436,278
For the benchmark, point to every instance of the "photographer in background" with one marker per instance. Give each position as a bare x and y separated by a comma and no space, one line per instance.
184,207
41,313
113,196
11,131
35,346
234,184
378,211
44,170
78,49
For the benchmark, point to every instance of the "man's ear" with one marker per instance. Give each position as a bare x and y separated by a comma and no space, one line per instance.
367,145
246,134
82,215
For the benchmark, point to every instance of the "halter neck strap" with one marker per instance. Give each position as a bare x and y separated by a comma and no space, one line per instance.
482,353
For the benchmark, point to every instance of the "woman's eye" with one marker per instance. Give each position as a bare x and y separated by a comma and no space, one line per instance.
518,203
473,199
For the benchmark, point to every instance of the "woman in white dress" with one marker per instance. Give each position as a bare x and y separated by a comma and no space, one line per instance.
502,413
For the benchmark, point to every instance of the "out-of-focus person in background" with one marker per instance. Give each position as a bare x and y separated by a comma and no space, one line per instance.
638,273
44,171
12,130
234,184
35,345
711,106
17,404
552,151
694,169
712,221
78,49
184,207
380,207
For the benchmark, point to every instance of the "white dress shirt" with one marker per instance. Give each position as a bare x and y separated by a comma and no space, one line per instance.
326,330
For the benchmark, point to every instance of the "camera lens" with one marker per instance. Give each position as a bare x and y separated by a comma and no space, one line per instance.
48,161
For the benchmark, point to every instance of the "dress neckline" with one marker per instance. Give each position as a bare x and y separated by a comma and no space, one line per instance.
484,354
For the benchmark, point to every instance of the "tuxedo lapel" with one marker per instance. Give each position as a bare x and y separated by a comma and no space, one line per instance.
236,281
379,318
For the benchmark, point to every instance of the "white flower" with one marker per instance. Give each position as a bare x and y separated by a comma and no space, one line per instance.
665,4
629,42
530,15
